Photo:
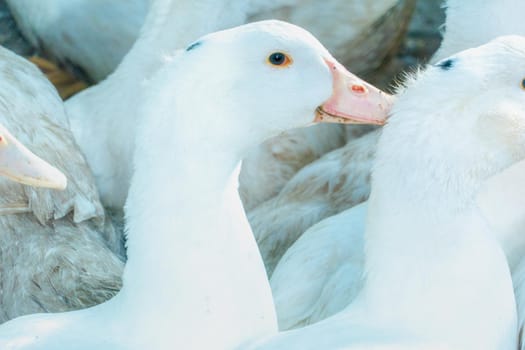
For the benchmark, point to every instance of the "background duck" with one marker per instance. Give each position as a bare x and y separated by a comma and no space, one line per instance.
322,272
472,23
72,32
93,35
435,274
335,182
269,166
57,251
191,273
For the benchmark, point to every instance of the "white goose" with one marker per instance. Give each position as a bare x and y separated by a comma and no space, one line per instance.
199,281
463,30
436,276
56,251
95,114
470,23
501,205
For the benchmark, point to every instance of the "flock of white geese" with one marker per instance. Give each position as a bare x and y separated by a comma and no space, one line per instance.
202,139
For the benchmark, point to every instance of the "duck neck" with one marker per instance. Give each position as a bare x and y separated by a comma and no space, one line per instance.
431,263
192,259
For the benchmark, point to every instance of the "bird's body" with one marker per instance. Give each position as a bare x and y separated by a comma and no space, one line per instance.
193,263
57,252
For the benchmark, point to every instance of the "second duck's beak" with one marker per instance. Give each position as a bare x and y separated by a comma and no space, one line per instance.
21,165
353,100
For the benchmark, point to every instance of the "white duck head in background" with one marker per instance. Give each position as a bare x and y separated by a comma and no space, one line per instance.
19,164
194,276
435,274
470,23
91,34
96,34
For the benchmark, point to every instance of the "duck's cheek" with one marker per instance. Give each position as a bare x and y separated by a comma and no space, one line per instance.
503,130
353,100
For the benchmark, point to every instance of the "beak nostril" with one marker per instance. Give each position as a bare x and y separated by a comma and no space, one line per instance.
358,89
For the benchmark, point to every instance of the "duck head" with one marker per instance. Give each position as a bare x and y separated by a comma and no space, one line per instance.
269,76
467,111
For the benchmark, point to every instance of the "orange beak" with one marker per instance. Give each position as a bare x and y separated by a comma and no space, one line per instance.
353,101
21,165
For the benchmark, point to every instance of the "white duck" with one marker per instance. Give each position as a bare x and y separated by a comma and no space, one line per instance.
436,276
55,246
470,23
94,113
462,31
92,34
200,274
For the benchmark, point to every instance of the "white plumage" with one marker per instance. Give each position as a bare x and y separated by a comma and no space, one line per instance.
434,273
188,237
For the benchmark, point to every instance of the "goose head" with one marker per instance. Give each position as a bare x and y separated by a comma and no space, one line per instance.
19,164
473,121
257,80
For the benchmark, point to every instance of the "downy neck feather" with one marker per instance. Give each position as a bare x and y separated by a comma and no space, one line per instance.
423,225
202,241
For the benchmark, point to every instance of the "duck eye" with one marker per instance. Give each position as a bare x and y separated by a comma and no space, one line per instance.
523,84
446,64
279,59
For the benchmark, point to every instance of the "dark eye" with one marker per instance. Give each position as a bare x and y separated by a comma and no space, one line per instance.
446,64
523,84
279,59
193,46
